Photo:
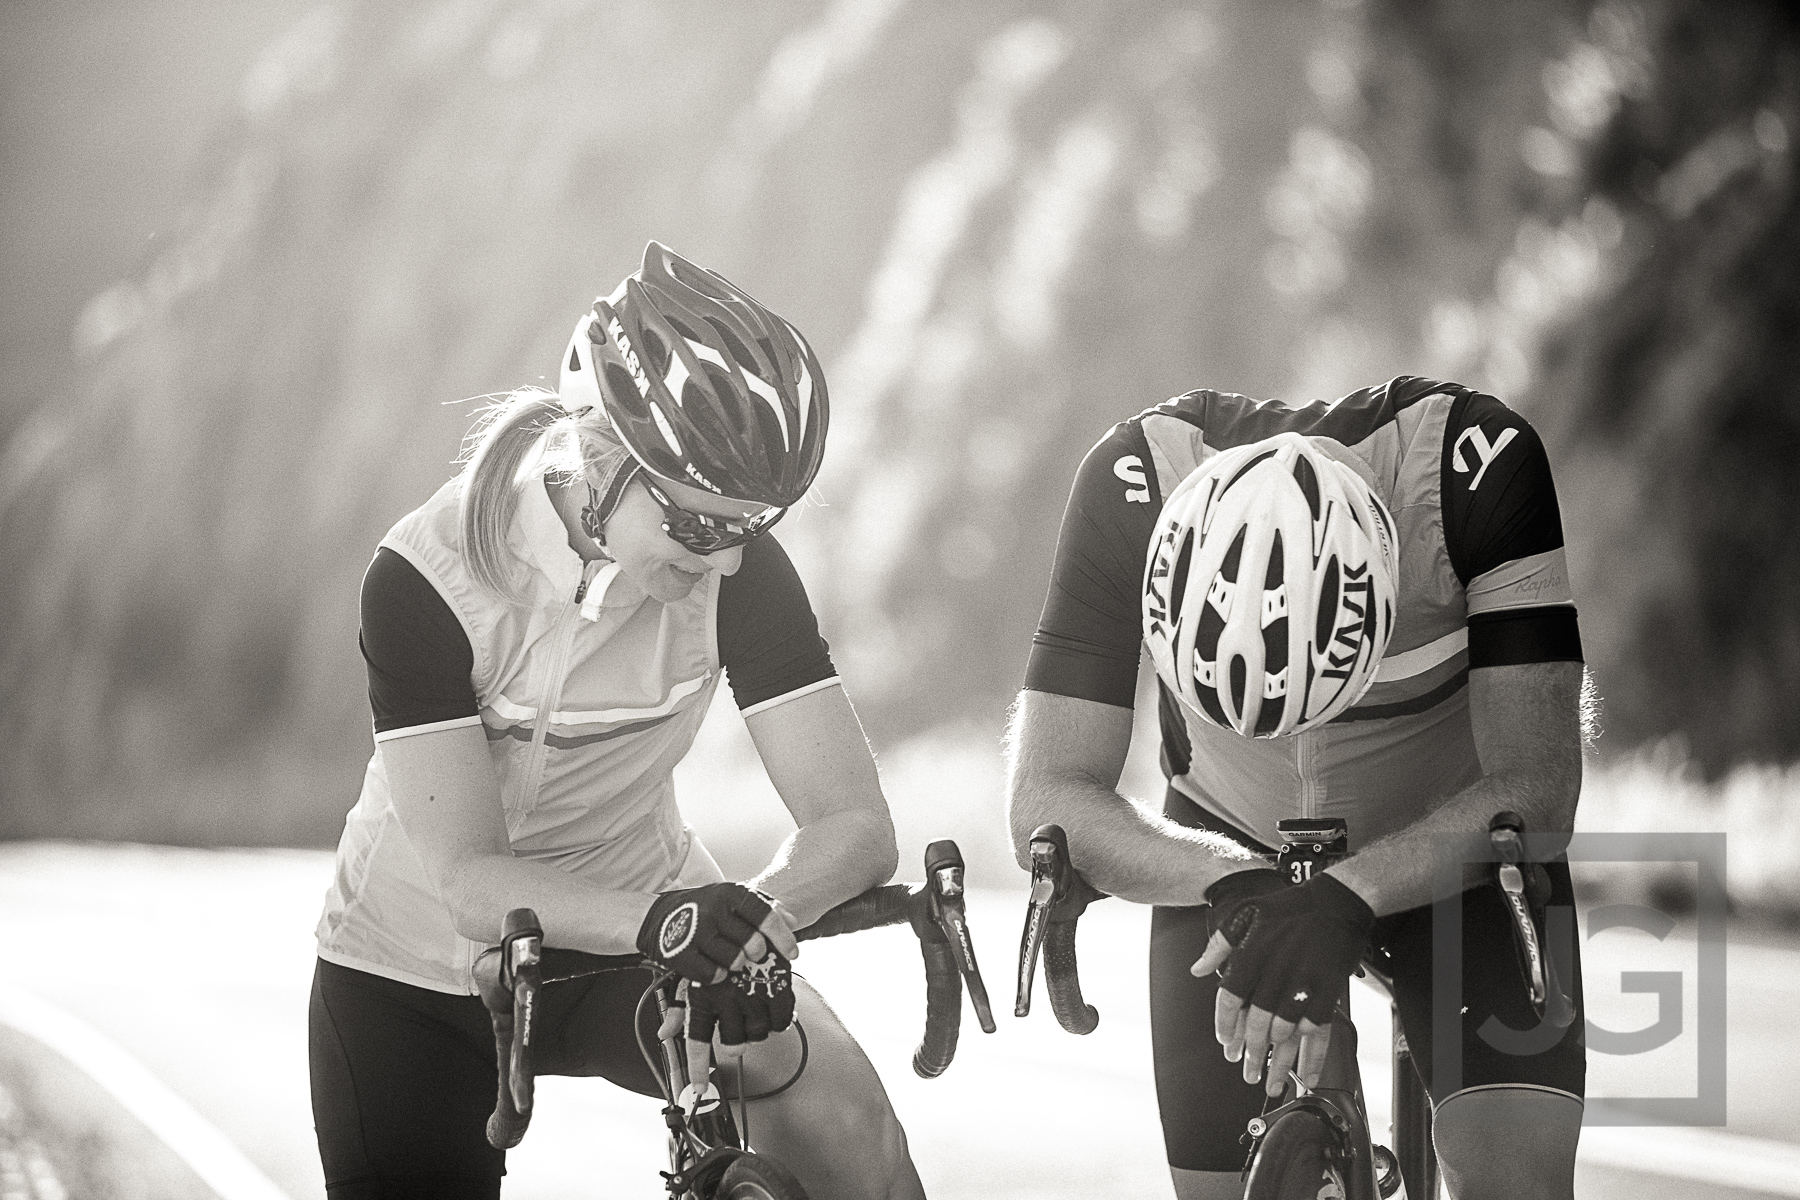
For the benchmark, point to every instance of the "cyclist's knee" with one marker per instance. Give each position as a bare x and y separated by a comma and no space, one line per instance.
1508,1141
862,1118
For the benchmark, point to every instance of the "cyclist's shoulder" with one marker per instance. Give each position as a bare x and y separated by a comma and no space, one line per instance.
765,574
1229,419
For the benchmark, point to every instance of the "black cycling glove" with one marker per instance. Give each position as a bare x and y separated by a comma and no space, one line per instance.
700,932
1239,885
1293,948
745,1006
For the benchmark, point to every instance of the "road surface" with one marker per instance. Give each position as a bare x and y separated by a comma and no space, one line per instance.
152,1044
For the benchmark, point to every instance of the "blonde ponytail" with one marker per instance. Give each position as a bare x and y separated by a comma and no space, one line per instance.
495,452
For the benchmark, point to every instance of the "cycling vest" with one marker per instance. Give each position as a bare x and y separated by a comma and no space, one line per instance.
587,704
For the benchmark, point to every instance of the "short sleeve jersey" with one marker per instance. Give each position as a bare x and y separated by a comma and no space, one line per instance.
1482,583
419,657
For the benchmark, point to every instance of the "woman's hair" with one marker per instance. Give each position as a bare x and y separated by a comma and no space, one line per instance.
519,431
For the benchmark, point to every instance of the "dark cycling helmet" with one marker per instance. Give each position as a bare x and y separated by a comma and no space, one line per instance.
703,385
1269,589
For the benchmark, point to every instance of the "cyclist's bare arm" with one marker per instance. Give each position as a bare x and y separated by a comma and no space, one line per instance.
817,757
447,797
1064,757
1527,727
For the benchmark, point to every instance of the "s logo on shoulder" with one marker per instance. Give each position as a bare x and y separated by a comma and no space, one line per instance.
1131,469
1484,453
677,930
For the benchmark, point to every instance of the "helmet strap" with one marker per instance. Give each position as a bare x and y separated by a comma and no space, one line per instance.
592,523
600,506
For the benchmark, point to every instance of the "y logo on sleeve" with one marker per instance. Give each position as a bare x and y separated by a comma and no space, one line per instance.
1484,452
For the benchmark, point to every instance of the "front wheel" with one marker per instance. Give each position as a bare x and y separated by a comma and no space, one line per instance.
752,1177
1293,1162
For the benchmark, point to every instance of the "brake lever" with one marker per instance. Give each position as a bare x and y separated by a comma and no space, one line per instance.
521,952
944,890
1046,866
1548,999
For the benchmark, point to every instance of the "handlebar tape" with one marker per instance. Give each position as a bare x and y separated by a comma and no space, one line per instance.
506,1125
892,905
943,1009
889,905
1063,980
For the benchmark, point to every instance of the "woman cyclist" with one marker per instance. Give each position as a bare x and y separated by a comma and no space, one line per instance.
543,638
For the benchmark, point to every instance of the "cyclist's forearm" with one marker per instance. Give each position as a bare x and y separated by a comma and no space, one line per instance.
1064,758
827,861
1527,733
1404,870
575,914
1122,847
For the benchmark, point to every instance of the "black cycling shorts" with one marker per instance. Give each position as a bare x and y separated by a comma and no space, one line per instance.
1204,1101
403,1078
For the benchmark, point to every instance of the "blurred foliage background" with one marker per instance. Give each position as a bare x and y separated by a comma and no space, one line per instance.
1004,226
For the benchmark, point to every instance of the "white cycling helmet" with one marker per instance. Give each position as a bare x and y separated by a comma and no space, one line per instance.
1268,594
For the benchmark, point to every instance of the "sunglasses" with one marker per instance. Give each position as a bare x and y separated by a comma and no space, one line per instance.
703,534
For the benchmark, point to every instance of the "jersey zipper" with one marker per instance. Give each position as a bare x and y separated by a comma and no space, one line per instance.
1309,783
567,620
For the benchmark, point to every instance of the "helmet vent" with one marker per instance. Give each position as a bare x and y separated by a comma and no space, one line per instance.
574,359
619,383
716,378
1178,581
1229,568
1209,703
654,352
1245,470
1308,479
1328,605
1275,642
1268,720
1238,673
740,354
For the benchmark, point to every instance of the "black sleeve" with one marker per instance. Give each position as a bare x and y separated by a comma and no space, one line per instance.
418,656
1088,639
1502,525
769,640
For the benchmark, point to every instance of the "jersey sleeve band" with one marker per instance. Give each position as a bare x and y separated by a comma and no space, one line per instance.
1532,635
798,692
1530,582
430,727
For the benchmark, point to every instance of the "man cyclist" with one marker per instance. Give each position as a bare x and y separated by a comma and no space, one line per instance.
1356,609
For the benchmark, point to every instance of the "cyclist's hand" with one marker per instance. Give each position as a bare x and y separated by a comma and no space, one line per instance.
1286,955
1286,1045
701,933
746,1006
1222,897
